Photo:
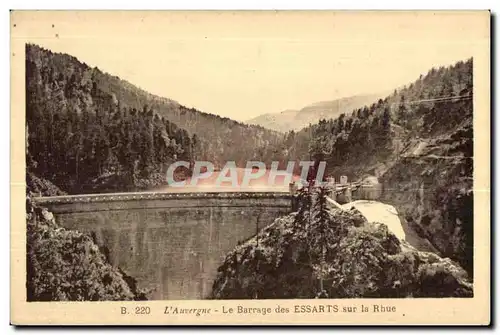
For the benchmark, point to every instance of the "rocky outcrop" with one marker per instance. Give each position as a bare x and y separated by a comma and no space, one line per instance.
344,257
67,265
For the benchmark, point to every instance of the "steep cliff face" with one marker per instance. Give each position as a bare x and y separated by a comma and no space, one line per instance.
431,186
340,256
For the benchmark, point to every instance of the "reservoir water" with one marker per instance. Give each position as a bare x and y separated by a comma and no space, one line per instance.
233,181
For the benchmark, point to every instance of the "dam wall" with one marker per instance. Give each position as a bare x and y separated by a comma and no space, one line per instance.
172,244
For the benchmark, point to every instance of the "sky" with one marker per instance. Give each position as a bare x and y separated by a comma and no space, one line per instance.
243,64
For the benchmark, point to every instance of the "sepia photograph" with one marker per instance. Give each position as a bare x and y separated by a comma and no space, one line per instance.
181,157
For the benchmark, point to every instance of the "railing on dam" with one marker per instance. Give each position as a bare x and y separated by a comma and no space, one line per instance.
117,201
154,196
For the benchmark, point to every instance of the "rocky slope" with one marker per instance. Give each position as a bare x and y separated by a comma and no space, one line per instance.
67,265
336,254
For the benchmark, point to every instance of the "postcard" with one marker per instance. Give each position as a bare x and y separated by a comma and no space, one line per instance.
250,168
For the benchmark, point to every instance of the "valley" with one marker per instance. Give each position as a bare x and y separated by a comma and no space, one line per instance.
91,133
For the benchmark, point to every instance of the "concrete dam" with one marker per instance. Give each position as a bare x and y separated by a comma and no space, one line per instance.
171,243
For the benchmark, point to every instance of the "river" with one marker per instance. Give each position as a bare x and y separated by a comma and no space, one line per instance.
375,211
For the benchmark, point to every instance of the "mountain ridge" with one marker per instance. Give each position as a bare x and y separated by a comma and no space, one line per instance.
296,119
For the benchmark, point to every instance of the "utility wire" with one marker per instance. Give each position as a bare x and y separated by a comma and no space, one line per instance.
459,97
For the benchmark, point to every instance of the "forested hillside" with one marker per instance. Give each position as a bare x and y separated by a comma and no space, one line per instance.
433,105
220,139
90,131
419,143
